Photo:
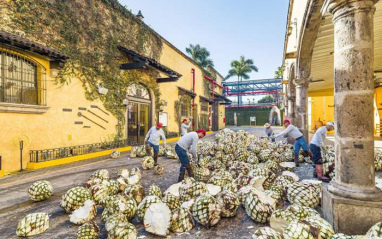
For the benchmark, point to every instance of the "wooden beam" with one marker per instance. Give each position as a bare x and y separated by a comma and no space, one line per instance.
291,55
134,65
168,79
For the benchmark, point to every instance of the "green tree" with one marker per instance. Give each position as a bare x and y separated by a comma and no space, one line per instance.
200,55
279,73
266,99
241,68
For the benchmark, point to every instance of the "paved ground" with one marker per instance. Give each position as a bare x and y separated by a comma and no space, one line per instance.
15,204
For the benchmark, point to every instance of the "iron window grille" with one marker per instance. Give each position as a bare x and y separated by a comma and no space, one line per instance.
21,80
185,109
204,106
57,153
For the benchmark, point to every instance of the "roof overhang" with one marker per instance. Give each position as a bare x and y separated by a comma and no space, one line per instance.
21,43
219,98
183,91
204,99
139,61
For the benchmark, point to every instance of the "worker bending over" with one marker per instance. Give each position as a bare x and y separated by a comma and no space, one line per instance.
188,142
315,147
300,141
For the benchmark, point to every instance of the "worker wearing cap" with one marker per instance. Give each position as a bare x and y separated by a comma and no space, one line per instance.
184,127
300,141
315,146
152,140
269,131
188,142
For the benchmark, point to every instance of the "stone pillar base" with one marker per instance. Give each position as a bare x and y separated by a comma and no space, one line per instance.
349,216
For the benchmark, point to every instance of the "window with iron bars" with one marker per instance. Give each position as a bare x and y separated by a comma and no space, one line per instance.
185,110
204,106
21,81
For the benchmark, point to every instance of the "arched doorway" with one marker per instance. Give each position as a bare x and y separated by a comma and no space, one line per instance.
138,113
275,116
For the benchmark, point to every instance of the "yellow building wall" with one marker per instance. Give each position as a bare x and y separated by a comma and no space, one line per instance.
169,91
322,110
221,117
55,128
322,105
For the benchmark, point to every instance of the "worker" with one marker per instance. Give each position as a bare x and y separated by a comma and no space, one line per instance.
152,141
188,142
269,131
184,127
300,141
315,146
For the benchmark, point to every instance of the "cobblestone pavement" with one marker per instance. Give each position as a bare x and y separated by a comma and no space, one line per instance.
15,204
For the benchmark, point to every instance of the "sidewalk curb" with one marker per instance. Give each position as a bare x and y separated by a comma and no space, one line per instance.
61,161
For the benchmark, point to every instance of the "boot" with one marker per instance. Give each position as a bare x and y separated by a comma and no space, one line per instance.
148,150
310,154
296,161
320,175
181,175
314,171
155,159
190,171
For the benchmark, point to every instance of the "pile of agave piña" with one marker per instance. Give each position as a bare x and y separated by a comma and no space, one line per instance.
237,169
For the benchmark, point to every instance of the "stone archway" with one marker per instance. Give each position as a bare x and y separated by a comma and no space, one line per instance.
275,116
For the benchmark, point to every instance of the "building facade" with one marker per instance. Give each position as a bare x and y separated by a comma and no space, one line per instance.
332,65
99,83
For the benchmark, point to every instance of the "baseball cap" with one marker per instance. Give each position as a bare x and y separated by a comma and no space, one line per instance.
201,131
287,121
330,124
159,125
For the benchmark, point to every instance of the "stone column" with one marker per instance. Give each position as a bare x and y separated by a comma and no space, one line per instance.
291,108
302,86
351,202
353,97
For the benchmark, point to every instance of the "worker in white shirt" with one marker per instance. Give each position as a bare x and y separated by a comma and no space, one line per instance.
188,142
184,127
300,141
269,131
315,146
152,140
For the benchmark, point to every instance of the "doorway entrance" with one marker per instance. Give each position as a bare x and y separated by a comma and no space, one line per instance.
138,113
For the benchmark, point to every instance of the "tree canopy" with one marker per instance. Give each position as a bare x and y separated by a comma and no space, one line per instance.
241,68
200,55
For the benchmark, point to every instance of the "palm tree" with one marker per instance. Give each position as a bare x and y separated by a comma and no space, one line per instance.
200,55
241,69
279,73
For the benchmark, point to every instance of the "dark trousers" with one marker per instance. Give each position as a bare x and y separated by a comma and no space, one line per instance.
316,151
317,158
183,157
269,135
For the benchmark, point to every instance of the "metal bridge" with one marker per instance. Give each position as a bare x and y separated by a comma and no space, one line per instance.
253,87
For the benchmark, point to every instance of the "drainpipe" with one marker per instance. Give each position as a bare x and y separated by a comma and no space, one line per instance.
193,100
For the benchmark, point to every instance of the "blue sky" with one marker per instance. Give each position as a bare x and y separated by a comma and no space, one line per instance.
227,28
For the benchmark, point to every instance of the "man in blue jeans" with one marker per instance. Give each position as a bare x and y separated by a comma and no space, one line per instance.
152,141
300,141
188,142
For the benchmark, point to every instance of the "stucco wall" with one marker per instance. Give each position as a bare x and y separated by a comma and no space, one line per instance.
55,128
169,91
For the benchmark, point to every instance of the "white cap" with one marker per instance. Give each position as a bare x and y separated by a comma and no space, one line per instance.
330,124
